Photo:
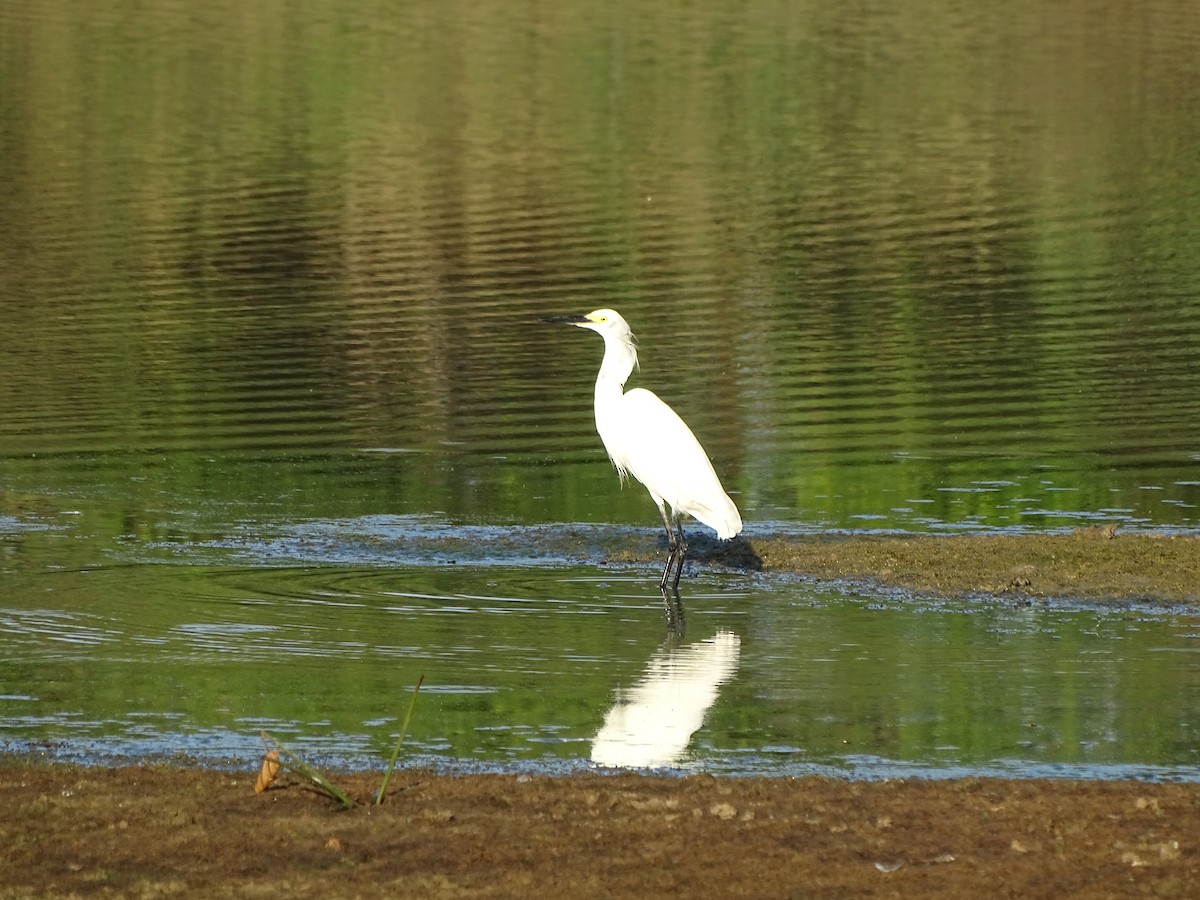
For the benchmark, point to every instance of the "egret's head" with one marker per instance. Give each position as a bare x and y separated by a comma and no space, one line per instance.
610,325
605,322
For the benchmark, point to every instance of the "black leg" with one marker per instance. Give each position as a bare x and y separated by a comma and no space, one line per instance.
666,575
681,552
662,511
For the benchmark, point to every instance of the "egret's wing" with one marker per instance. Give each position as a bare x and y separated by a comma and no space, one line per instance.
648,439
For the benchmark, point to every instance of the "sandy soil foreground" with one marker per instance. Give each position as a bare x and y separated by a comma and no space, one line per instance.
160,831
153,832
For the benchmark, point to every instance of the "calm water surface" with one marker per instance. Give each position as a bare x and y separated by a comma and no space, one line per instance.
279,430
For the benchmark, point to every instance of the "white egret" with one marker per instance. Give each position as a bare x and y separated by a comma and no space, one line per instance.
645,438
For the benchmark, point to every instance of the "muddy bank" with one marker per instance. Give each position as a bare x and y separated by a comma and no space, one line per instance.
142,832
1091,564
1095,564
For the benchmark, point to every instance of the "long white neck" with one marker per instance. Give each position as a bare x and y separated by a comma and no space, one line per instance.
619,360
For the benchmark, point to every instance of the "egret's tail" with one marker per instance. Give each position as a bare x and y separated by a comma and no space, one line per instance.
723,518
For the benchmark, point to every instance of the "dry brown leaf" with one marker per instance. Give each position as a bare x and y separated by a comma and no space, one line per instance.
268,772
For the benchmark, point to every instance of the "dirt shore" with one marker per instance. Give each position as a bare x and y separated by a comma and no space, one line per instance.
152,831
1095,564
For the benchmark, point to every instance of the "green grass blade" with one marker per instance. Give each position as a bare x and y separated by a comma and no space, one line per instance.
412,704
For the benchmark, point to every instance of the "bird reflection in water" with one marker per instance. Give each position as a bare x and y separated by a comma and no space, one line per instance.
652,723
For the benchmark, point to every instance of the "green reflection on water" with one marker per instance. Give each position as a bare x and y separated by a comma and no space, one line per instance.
524,667
899,265
847,238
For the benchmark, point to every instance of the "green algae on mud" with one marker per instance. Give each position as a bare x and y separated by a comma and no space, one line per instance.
1091,564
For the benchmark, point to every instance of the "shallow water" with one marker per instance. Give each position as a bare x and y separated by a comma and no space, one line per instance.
279,430
317,633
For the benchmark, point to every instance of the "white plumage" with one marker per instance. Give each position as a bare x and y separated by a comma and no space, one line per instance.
645,438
